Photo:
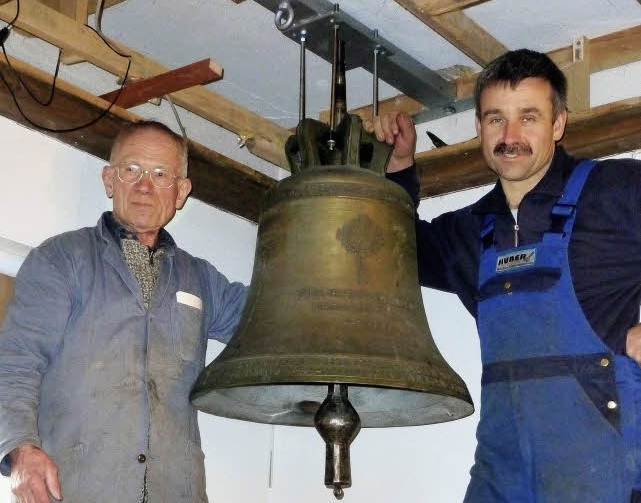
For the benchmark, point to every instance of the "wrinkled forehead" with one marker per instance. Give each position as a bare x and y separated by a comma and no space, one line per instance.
530,92
149,148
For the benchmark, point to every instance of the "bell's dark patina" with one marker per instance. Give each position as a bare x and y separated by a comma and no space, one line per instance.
334,304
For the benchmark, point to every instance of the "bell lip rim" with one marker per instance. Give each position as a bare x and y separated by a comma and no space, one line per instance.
372,419
465,397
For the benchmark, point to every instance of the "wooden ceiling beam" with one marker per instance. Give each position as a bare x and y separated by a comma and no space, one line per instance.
467,36
217,179
457,28
578,75
6,294
605,52
107,3
436,7
265,138
77,10
138,92
608,51
599,132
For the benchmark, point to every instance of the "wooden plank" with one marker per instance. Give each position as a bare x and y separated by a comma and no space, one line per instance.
6,293
218,180
59,30
77,10
578,76
436,7
606,52
457,28
602,131
106,5
138,92
467,36
400,102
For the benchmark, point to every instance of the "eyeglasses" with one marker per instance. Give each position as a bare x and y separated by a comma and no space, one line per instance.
162,178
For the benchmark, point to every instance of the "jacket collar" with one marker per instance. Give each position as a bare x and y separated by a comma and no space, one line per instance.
551,185
112,231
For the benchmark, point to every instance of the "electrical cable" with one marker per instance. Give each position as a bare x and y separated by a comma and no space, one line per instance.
24,84
4,33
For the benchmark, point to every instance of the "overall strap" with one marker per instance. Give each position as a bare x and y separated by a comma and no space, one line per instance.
564,210
487,231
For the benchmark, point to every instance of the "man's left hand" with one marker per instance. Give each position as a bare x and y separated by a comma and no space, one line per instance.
633,343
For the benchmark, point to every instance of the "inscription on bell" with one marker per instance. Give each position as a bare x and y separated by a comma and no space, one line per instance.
354,300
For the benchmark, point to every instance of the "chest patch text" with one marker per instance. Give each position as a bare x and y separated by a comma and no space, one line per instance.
521,258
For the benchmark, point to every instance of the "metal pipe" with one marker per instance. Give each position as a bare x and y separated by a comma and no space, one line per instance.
375,78
301,97
332,120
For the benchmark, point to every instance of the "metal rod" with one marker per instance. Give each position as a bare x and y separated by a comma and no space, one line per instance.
332,112
375,78
301,97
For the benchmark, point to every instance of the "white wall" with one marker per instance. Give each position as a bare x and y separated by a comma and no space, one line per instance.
48,188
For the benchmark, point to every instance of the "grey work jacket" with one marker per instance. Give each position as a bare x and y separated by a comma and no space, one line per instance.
102,383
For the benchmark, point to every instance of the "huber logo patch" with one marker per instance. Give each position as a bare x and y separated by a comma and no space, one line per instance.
517,259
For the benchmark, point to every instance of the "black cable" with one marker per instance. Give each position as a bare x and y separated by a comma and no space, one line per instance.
66,130
10,25
4,33
24,84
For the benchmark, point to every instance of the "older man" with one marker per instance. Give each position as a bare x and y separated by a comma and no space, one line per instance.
104,339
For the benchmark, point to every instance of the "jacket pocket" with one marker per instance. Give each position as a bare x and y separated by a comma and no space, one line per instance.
188,334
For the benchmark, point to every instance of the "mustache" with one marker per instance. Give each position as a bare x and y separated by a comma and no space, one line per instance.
514,148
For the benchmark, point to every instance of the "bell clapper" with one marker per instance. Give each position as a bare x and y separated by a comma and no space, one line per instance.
338,423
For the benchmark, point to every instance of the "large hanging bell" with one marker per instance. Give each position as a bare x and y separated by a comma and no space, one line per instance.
334,334
334,298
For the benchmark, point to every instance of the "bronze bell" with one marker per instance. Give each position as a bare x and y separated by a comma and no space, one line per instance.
334,299
333,334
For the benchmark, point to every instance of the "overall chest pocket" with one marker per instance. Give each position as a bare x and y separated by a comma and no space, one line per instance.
533,280
188,333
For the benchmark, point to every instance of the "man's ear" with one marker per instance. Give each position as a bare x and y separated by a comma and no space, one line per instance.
558,127
184,188
108,180
477,123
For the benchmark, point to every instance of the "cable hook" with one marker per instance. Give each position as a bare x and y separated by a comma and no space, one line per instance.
283,23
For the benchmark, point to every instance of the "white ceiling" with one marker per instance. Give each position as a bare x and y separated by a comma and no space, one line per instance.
261,65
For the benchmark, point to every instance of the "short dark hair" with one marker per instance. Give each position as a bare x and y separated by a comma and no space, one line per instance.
515,66
144,125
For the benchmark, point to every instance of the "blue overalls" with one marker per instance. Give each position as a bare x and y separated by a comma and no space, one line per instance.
558,409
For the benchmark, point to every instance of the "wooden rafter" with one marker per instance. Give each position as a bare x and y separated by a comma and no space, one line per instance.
106,4
264,138
601,131
606,52
6,293
217,180
229,185
140,91
446,19
437,7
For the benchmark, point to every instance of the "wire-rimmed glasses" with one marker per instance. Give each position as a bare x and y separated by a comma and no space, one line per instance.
162,178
